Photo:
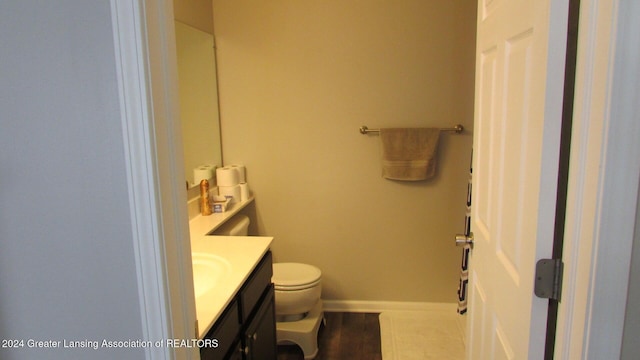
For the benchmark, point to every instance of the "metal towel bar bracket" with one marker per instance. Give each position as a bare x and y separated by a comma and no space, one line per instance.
456,129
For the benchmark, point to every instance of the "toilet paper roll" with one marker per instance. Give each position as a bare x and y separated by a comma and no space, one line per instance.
212,167
241,172
227,176
202,173
244,192
230,192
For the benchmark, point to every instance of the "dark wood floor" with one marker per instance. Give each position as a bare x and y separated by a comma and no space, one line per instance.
349,336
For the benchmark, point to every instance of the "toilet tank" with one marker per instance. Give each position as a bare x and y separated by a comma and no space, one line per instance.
236,226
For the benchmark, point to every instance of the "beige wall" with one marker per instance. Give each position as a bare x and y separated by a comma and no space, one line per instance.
297,79
196,13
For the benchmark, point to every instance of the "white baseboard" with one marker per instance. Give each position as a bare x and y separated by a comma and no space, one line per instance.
380,306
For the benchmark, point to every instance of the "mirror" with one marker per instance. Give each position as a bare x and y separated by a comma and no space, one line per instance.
198,95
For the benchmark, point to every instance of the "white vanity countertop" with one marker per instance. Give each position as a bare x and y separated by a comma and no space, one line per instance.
243,254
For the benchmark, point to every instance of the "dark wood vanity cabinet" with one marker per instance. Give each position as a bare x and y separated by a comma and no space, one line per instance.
246,330
260,334
225,332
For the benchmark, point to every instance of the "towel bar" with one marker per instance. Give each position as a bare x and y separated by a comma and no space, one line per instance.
456,129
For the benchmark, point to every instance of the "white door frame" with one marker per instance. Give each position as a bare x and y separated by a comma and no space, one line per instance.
144,43
603,181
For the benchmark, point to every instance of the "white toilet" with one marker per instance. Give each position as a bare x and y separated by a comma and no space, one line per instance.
298,305
297,289
297,296
236,226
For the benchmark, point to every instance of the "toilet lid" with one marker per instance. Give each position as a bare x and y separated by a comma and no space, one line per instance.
294,275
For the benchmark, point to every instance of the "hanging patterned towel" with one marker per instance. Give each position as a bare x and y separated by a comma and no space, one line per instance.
464,267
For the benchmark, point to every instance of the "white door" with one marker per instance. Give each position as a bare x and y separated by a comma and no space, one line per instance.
519,79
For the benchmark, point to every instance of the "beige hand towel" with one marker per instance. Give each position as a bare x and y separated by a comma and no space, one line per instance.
409,153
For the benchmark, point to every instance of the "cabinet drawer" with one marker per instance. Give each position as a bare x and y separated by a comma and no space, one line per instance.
255,286
225,331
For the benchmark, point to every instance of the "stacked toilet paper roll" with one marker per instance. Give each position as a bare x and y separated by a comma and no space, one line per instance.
203,172
242,176
230,192
244,192
232,182
227,176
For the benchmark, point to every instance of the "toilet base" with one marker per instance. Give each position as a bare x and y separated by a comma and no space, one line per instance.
304,332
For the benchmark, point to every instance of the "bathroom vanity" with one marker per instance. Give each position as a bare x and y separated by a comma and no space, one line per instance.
234,296
246,327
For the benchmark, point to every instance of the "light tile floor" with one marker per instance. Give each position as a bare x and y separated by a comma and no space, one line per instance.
433,334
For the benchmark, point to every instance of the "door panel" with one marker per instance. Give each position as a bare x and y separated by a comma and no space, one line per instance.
478,307
517,119
514,156
482,180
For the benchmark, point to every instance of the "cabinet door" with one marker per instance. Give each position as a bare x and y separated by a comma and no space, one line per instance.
260,336
237,353
255,287
225,331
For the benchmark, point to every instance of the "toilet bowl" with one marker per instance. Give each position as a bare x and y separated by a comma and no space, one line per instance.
297,289
298,305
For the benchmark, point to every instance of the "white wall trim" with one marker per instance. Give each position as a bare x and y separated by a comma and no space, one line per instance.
359,306
620,174
130,48
145,59
162,83
586,148
603,183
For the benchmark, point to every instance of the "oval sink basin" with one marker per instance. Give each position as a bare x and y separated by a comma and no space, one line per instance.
208,271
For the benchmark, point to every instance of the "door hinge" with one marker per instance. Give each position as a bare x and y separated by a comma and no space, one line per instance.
548,283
